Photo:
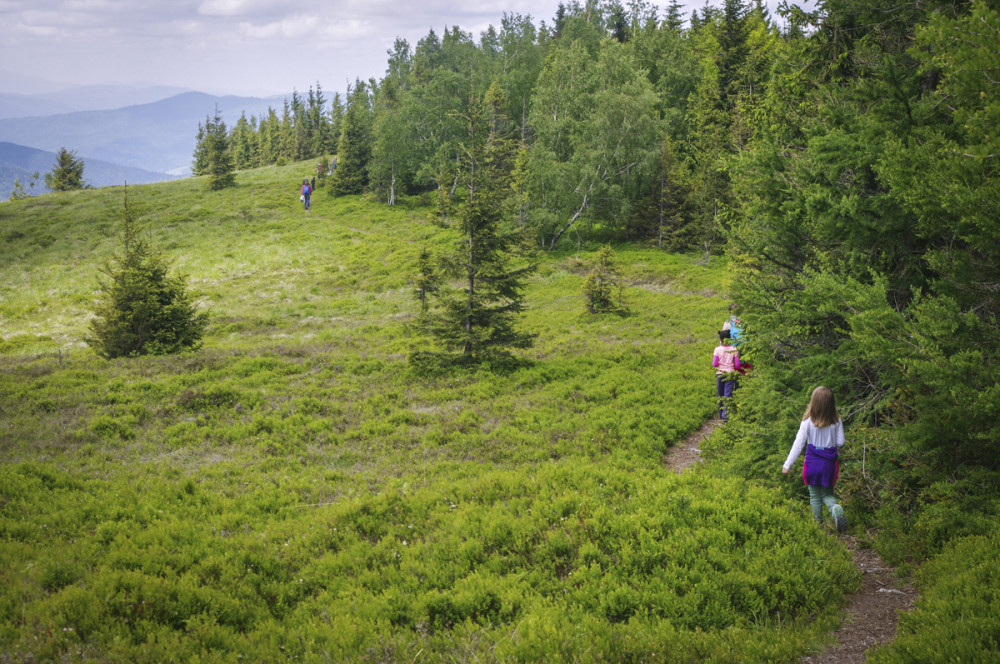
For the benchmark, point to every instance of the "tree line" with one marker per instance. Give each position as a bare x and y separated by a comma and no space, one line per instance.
865,252
622,118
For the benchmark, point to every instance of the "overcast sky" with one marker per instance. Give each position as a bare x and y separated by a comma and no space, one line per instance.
255,47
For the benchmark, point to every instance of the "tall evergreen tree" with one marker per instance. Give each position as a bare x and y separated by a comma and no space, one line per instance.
336,118
269,137
733,44
215,152
853,264
322,141
66,173
199,160
355,144
477,322
669,201
286,134
674,19
708,132
242,141
301,126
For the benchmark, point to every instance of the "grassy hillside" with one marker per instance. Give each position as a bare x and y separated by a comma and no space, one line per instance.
293,491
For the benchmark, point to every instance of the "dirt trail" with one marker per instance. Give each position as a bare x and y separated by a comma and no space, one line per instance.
871,613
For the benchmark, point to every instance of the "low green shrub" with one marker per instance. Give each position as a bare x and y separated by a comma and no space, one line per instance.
626,557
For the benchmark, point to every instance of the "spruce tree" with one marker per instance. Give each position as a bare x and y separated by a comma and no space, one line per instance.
476,322
67,172
212,154
199,160
221,167
141,309
602,284
355,145
242,143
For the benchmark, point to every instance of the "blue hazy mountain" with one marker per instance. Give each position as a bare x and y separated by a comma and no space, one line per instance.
81,98
18,161
157,137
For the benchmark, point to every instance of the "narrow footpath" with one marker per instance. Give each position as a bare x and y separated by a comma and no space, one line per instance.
870,614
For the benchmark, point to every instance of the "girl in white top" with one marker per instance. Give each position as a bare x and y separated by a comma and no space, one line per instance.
822,434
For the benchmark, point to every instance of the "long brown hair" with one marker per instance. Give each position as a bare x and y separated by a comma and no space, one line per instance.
822,408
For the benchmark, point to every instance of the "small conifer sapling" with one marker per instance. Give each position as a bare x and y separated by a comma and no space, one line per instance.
141,309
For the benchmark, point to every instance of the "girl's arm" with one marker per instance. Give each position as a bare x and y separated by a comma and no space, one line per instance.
839,433
800,442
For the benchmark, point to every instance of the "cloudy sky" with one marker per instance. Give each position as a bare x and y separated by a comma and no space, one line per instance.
258,47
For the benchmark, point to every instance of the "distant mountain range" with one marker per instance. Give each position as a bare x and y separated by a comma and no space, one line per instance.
156,137
19,162
81,98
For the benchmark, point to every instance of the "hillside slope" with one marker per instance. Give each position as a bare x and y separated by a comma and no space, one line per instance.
296,490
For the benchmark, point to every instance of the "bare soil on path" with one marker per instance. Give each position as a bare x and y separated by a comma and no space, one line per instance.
871,614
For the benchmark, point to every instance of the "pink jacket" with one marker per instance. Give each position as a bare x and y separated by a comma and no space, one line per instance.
725,359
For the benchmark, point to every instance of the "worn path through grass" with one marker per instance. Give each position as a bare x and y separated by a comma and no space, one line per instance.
871,614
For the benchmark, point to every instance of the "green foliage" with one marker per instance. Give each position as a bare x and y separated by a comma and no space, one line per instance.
428,280
141,308
602,557
596,135
174,484
591,98
602,284
354,146
66,173
213,155
491,258
18,192
863,259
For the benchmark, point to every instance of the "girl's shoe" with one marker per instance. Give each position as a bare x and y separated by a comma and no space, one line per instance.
838,518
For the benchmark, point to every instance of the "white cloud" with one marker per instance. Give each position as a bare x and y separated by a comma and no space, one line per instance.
88,5
342,30
292,27
265,46
245,7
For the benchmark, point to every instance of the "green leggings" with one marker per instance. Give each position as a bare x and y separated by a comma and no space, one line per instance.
819,496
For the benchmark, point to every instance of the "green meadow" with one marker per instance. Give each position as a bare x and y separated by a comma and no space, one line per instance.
296,491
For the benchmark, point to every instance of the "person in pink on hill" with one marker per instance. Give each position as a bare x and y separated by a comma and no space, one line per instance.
726,360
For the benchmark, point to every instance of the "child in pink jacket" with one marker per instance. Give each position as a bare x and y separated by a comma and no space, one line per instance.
726,360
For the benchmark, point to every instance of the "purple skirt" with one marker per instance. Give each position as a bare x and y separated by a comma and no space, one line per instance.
821,467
